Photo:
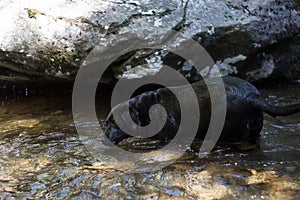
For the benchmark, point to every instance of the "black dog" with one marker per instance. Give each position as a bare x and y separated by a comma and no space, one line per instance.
244,115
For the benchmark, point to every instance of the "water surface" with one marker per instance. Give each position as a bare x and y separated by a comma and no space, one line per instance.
41,156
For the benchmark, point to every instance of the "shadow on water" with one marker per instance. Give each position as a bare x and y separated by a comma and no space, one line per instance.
41,156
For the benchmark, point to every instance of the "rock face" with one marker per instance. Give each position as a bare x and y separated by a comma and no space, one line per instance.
270,41
50,39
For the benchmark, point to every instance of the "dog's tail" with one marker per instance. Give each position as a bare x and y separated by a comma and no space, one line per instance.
261,104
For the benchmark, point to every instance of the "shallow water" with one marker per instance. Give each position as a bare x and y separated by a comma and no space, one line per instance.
41,157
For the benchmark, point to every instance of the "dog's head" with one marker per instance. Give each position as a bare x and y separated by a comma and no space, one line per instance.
113,131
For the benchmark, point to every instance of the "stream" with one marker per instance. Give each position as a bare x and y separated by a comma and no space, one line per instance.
42,157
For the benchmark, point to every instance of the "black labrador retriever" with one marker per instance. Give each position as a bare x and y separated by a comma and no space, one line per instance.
244,115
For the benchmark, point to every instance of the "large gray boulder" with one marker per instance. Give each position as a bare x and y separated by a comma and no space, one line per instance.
50,39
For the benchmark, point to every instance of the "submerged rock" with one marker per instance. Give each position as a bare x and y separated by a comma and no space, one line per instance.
46,40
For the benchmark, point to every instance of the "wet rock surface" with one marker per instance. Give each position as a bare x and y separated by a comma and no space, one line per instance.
49,40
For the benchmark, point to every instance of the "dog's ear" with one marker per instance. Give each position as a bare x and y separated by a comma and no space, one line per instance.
135,116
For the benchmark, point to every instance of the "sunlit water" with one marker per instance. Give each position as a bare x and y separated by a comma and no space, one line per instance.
41,157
